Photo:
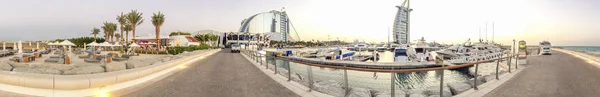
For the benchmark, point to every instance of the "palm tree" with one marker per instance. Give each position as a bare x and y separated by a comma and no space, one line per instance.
95,31
118,36
109,30
105,28
127,29
123,21
134,19
157,20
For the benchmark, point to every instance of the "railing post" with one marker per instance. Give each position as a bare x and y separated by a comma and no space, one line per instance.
289,70
497,65
275,68
267,63
442,83
476,75
393,84
310,79
517,62
346,88
261,61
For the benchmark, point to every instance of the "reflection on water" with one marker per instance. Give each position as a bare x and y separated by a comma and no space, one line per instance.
382,81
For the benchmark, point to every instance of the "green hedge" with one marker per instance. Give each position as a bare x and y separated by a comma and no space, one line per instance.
150,52
180,49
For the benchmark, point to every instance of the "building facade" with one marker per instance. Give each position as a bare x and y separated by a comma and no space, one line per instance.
401,34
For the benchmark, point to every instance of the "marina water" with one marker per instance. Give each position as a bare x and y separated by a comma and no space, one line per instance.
382,81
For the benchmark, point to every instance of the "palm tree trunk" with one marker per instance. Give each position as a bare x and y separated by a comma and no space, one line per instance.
127,36
158,43
121,40
133,33
94,37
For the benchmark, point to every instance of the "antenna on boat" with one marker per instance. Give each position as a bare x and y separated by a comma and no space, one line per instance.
479,33
486,29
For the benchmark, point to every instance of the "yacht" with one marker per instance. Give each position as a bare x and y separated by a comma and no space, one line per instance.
360,47
471,52
419,52
372,47
381,47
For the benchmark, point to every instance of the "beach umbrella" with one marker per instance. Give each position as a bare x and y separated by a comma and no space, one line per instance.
92,44
67,43
105,44
134,45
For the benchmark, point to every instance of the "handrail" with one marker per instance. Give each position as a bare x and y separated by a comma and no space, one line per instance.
393,71
396,70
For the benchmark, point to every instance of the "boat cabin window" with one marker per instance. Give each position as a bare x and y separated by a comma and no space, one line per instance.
419,50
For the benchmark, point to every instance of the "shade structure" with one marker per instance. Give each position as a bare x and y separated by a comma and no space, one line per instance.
105,44
92,44
134,45
66,43
117,44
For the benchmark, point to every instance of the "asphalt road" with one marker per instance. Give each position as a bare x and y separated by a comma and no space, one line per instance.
223,74
557,75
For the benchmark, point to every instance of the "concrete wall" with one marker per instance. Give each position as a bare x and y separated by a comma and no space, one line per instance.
77,82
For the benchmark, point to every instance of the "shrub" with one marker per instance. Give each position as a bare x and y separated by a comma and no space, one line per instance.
180,49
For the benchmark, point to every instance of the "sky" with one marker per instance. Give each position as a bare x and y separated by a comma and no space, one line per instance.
562,22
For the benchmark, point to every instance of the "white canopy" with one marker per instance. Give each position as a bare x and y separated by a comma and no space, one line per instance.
66,43
105,44
51,43
93,44
134,45
116,44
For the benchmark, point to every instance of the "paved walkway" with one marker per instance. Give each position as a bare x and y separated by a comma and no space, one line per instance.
223,74
557,75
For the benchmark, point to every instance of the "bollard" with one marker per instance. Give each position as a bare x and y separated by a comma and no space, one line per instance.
497,65
261,61
267,63
475,81
310,79
289,71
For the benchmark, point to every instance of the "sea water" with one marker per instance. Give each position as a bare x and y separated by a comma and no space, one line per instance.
590,49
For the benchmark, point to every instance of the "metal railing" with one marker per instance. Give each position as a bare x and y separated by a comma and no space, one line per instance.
255,57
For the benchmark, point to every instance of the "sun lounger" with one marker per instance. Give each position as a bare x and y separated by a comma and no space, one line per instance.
84,56
54,60
90,60
56,56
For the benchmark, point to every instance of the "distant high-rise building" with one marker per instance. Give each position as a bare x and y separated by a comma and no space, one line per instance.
401,35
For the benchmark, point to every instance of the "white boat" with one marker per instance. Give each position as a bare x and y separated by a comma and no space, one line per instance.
468,52
419,52
381,47
545,48
372,48
360,47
